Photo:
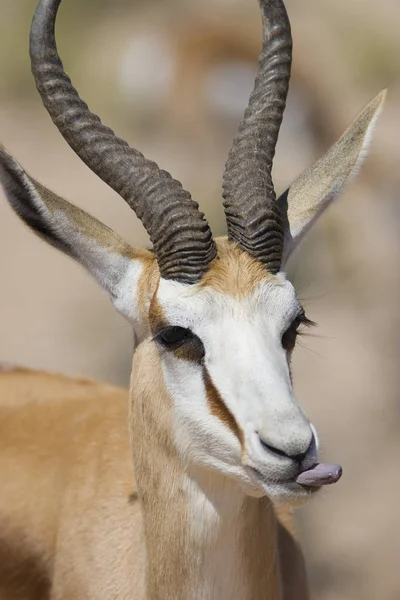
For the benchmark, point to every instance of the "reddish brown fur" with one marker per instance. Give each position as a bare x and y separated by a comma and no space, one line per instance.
67,484
69,490
148,284
156,317
159,474
234,272
219,409
67,478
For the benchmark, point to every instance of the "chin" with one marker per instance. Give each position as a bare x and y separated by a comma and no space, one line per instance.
280,492
289,493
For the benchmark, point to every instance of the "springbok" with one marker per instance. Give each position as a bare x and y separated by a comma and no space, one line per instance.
218,440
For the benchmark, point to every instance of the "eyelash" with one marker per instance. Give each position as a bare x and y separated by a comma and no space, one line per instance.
290,335
303,320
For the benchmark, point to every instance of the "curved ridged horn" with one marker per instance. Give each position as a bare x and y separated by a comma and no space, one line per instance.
252,213
181,237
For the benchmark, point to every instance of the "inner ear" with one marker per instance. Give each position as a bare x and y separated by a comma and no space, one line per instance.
313,191
118,267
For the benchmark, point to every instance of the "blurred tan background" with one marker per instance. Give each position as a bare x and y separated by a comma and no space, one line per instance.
173,77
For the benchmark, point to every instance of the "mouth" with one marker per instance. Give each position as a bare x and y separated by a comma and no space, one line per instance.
303,484
319,475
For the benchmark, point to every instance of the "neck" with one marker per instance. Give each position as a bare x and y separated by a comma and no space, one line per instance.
232,540
205,539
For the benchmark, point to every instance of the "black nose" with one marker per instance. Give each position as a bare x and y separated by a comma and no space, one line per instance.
299,458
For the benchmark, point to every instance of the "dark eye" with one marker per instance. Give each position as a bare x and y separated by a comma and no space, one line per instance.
173,337
182,342
290,335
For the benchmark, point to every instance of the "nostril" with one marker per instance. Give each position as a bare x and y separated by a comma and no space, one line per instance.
273,449
309,455
299,458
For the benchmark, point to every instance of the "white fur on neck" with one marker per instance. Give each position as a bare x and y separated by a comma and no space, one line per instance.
215,517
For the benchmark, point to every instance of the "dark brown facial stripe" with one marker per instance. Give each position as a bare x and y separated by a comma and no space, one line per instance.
219,409
191,350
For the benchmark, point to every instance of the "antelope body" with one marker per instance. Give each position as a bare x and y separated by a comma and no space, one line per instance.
217,438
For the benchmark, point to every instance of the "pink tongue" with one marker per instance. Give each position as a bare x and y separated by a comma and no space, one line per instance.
321,474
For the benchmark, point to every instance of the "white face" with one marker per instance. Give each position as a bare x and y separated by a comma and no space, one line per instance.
229,376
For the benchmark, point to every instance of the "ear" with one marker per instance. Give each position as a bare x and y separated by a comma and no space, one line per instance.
315,189
113,263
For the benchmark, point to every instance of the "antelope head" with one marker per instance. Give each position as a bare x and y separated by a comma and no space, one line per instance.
219,313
